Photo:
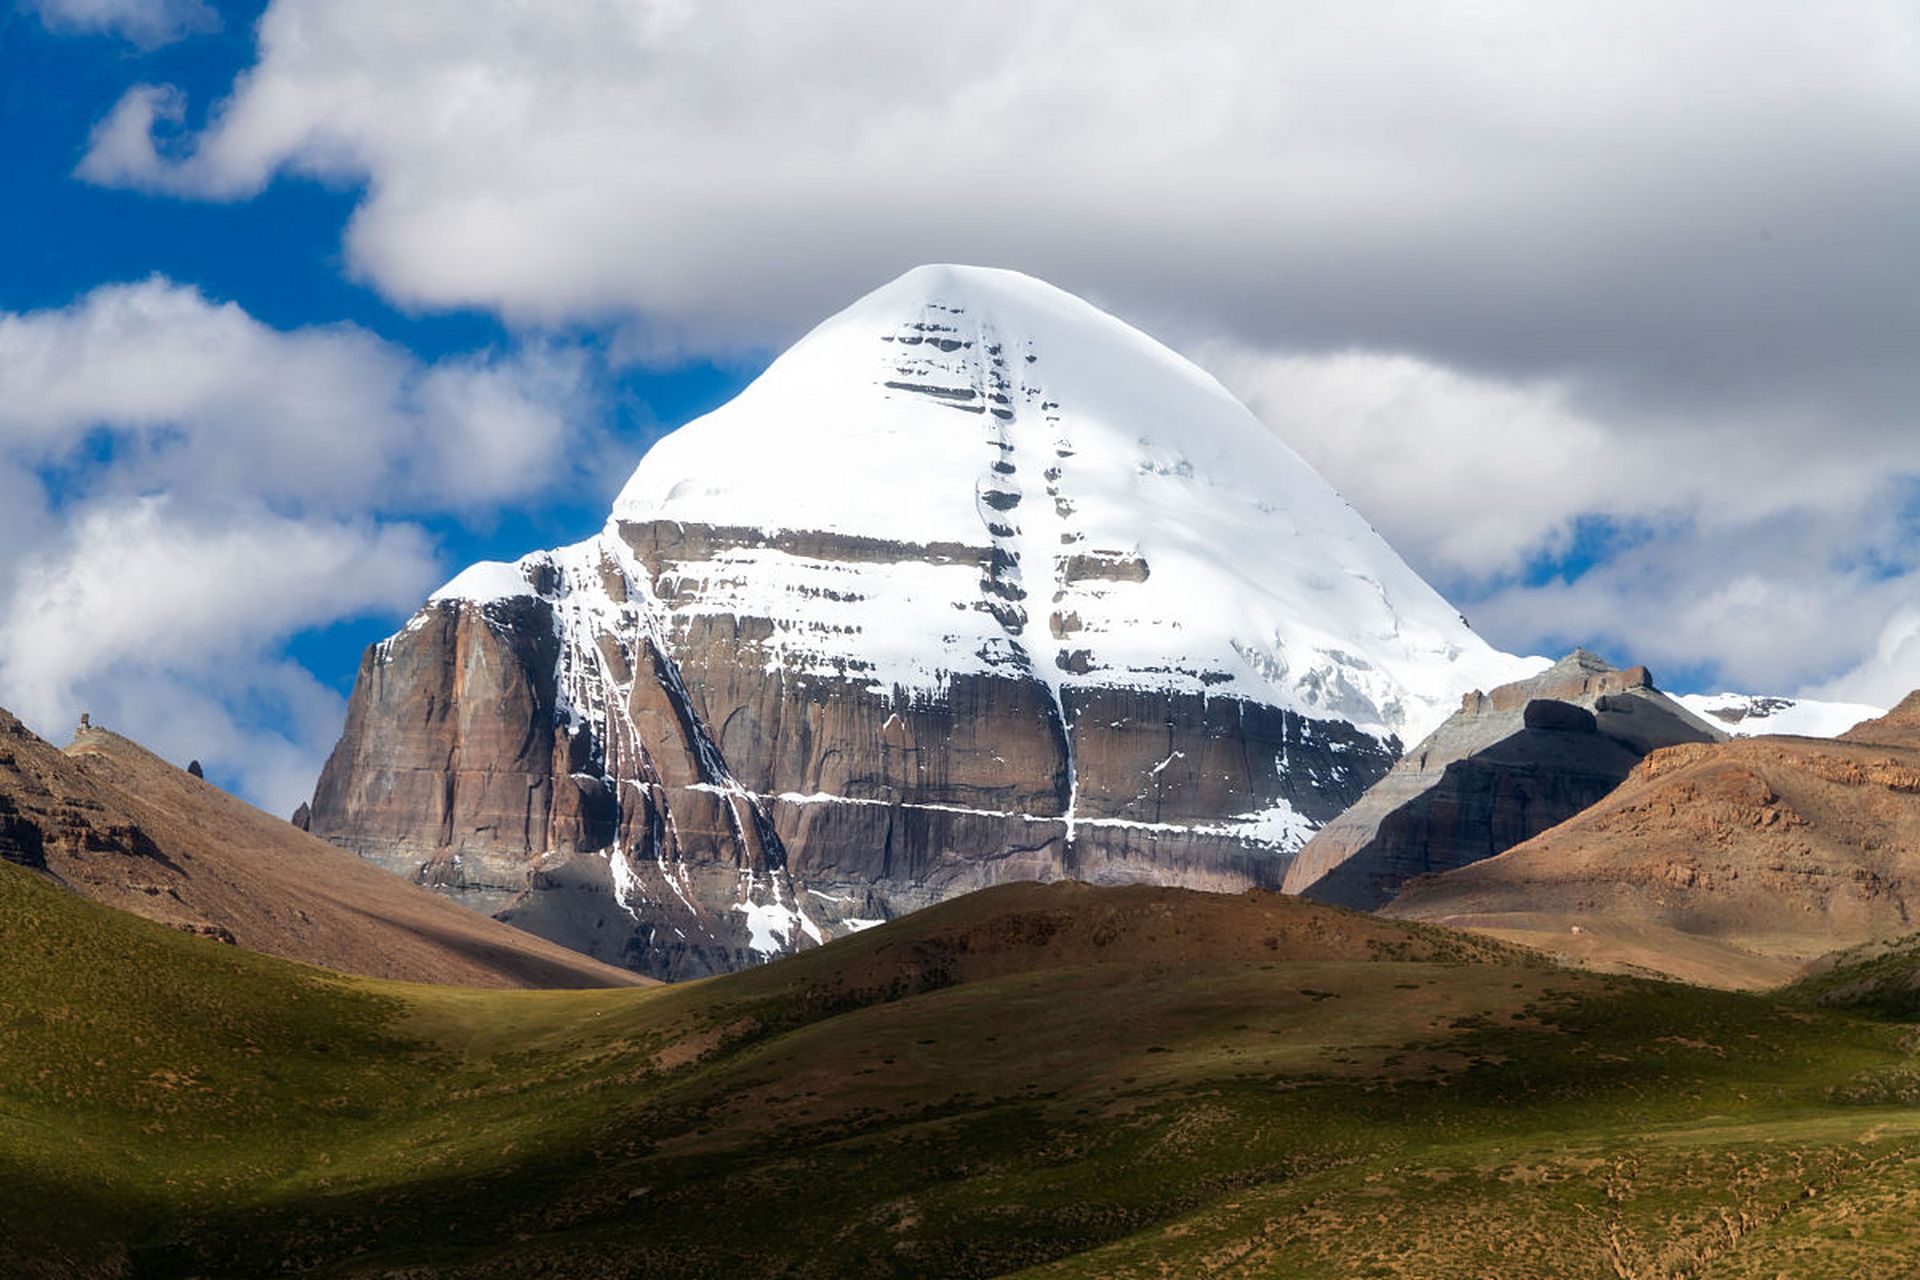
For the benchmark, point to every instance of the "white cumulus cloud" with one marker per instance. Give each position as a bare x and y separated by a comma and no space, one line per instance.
1501,270
1474,475
162,619
1891,671
184,488
1767,552
201,397
154,578
1685,191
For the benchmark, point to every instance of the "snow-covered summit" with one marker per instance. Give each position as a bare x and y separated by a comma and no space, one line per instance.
897,395
1746,715
1142,528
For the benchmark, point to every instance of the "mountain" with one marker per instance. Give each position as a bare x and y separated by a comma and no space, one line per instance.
1735,863
1043,1080
975,583
1899,727
1509,764
116,824
1743,715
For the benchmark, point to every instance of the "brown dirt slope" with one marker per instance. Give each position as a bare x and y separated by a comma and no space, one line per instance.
1734,864
1899,727
114,823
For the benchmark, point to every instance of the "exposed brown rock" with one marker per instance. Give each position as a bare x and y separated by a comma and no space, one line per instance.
1900,726
450,754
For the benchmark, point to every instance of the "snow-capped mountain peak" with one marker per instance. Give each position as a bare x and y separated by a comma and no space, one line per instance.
1141,526
976,581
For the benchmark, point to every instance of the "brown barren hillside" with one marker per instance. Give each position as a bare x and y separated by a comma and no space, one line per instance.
117,824
1733,863
1900,727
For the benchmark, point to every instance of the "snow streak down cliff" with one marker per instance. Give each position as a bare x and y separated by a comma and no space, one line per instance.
974,583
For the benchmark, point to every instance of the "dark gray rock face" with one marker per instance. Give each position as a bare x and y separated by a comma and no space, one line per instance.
1553,715
1507,766
21,841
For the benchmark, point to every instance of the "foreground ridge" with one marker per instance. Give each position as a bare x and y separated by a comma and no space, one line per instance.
1508,765
1735,863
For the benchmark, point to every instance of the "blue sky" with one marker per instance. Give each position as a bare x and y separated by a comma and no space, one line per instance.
1604,315
277,257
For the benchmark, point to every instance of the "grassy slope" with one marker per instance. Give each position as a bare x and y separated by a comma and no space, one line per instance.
1080,1082
1880,979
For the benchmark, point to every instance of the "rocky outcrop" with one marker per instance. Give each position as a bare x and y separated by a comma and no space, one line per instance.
1504,768
975,584
1899,727
55,819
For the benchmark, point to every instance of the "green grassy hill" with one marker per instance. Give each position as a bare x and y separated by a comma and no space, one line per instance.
1033,1080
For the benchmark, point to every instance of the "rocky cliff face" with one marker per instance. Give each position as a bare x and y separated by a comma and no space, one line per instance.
975,584
1504,768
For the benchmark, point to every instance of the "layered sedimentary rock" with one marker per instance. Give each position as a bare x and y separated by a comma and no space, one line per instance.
974,584
1507,766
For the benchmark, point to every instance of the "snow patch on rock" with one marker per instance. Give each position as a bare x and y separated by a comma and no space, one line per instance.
1747,715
